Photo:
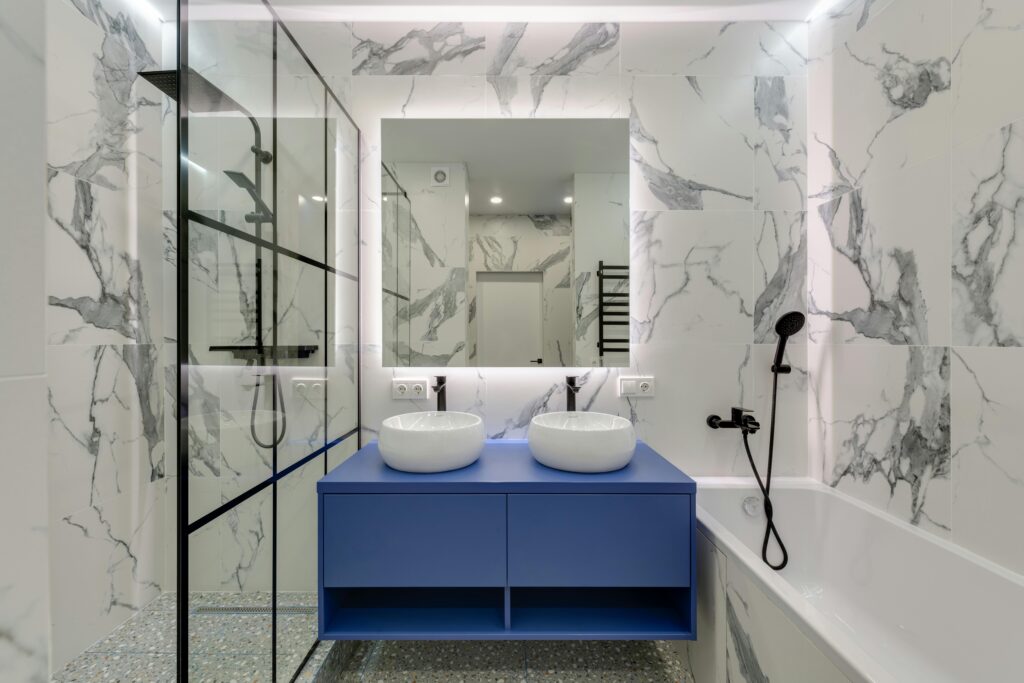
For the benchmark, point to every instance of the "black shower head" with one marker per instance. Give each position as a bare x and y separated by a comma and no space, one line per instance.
203,96
790,324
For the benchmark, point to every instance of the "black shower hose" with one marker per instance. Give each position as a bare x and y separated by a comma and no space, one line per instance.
279,436
766,485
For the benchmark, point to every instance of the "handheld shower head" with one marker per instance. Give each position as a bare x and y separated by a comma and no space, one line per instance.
788,325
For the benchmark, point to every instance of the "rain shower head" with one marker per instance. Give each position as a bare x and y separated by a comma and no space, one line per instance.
263,214
203,96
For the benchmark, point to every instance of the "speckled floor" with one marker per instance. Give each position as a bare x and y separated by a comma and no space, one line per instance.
234,647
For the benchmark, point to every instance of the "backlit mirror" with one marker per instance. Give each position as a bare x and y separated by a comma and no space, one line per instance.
505,242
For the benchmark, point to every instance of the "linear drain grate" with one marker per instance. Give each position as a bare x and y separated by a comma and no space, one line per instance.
242,609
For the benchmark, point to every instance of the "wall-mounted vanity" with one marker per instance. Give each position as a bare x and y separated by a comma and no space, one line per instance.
507,549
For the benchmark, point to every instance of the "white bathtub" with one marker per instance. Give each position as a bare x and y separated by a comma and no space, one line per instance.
879,598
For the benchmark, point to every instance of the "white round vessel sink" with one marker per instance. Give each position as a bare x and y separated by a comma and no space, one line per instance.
431,441
582,442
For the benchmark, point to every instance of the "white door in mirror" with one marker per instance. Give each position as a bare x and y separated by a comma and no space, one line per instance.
582,442
431,441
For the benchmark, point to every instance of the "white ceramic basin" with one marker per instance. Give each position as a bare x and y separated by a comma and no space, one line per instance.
582,442
432,441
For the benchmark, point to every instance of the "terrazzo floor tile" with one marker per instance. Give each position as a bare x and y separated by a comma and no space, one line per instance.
145,633
436,662
570,661
123,668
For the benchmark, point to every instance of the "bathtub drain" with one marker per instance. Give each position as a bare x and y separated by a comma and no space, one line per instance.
752,506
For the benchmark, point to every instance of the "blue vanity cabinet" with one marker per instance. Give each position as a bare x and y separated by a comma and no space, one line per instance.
506,549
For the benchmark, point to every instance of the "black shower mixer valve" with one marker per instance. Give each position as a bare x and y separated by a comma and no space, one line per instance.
742,419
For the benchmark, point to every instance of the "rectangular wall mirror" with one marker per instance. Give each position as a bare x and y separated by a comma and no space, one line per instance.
505,242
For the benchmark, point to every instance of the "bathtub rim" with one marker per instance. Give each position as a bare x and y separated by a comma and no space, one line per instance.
842,649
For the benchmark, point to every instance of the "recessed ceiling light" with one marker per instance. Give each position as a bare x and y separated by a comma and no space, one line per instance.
318,198
495,199
567,200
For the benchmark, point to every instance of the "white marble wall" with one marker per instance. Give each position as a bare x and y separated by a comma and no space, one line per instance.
715,236
743,635
600,210
24,575
916,164
438,306
511,243
105,330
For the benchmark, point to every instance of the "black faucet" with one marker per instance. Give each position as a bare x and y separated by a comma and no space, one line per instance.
742,419
570,393
440,387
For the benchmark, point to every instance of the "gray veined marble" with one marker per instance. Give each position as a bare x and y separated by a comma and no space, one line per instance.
743,645
896,311
780,171
439,304
988,220
780,270
589,41
671,189
907,441
122,54
418,52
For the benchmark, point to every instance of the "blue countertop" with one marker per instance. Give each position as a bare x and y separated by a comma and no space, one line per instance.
506,466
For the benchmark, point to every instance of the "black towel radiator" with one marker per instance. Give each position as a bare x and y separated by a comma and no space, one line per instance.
612,307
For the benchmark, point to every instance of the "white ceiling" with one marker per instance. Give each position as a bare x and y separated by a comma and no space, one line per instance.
529,163
510,10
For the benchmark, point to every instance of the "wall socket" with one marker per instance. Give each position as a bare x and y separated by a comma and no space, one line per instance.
636,386
410,387
309,388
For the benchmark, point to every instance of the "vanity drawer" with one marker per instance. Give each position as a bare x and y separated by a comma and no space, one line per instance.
410,540
599,540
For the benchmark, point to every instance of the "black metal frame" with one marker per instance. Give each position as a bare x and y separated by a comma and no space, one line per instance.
184,217
611,305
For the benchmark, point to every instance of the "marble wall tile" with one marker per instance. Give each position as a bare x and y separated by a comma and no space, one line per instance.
840,22
877,269
437,313
99,294
987,35
763,644
24,573
233,552
93,101
780,161
691,277
791,451
106,422
988,475
23,137
988,224
691,142
883,98
586,96
780,270
552,49
107,563
885,420
715,48
398,49
705,656
695,380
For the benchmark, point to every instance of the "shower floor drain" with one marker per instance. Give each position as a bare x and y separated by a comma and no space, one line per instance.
243,609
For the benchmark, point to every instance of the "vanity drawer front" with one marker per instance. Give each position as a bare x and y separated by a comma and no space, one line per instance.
599,540
410,540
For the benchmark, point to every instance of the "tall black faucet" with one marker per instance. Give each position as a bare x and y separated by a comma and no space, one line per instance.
570,393
440,388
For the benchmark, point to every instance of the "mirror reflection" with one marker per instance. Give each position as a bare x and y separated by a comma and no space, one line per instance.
505,242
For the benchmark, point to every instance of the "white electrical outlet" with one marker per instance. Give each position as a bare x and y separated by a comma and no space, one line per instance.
309,388
636,386
410,387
